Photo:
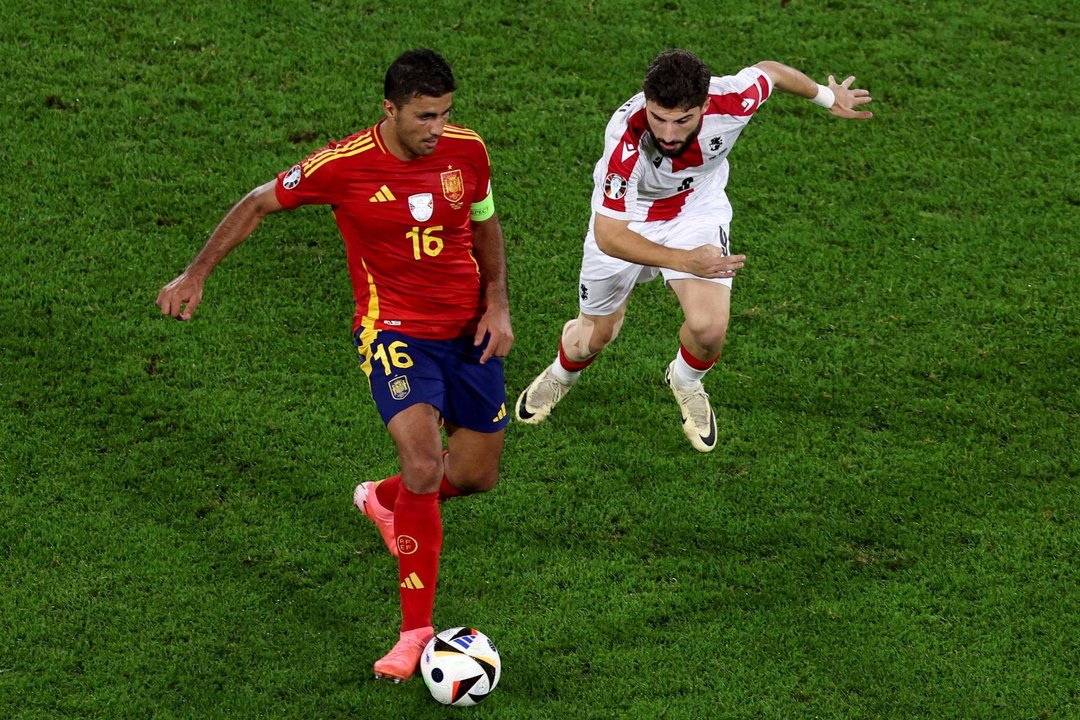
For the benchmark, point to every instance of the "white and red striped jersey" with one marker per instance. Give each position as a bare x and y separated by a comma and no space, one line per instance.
633,181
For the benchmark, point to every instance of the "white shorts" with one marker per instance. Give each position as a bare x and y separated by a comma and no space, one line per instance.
605,282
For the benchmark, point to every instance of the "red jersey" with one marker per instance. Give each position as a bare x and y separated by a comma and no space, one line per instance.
406,225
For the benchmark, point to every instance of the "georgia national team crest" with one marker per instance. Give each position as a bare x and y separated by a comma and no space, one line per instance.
421,205
615,186
399,387
292,178
453,186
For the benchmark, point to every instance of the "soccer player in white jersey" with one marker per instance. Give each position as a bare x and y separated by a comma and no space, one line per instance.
659,207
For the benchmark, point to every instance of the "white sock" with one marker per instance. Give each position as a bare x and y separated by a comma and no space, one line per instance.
683,375
566,377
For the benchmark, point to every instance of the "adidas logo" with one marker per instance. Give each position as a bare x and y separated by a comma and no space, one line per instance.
501,414
384,195
412,582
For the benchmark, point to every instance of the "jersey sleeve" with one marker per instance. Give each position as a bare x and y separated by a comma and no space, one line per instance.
314,181
616,174
482,206
741,94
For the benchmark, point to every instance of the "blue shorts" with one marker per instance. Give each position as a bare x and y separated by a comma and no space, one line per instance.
445,374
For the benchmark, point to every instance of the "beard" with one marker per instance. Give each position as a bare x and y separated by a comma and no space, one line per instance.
678,150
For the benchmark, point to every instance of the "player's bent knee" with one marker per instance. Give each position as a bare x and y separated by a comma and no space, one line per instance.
709,333
482,483
422,475
713,337
475,482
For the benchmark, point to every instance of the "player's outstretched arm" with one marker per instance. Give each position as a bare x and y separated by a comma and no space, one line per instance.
840,98
615,238
182,296
490,252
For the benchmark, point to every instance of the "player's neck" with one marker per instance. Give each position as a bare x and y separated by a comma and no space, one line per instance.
393,144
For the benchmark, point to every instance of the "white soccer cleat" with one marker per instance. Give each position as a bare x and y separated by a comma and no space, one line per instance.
536,401
698,420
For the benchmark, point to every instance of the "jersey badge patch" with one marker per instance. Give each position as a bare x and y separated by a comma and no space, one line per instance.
453,186
399,387
615,186
421,205
292,178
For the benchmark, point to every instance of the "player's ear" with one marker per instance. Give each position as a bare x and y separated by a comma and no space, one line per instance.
389,108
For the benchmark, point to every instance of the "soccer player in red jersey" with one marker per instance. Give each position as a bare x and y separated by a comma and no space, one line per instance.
659,208
412,199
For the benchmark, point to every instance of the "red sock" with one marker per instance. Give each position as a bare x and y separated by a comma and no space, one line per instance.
694,362
447,491
573,365
418,527
387,491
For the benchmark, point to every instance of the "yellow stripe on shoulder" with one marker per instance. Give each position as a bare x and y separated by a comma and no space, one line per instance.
325,152
362,137
461,129
316,164
459,136
470,136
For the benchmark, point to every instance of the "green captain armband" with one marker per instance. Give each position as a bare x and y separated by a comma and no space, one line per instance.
482,210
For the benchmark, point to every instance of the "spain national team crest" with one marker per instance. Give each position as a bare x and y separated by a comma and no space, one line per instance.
399,387
453,186
407,545
421,205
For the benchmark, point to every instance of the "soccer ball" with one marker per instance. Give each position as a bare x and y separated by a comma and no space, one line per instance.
460,666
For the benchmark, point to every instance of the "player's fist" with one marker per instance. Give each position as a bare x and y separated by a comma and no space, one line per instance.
709,261
180,297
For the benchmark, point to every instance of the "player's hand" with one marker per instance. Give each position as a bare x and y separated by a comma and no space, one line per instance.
495,326
179,298
709,261
847,100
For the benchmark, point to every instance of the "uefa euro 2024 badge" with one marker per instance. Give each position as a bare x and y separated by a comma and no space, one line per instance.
421,205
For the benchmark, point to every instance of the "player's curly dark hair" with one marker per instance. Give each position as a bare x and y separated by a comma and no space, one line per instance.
418,72
677,80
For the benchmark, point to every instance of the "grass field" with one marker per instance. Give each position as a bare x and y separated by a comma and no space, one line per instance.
889,528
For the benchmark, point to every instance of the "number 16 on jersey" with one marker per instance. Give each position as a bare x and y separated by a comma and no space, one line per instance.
428,241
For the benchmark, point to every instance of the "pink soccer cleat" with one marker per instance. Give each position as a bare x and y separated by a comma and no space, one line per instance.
401,662
366,499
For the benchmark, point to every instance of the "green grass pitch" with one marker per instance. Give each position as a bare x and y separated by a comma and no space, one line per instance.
889,528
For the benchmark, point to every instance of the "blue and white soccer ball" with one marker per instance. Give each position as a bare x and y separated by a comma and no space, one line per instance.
460,666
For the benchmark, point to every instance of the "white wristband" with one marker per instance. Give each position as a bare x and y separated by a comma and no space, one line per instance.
825,97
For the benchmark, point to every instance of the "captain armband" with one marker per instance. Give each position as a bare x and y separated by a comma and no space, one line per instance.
481,211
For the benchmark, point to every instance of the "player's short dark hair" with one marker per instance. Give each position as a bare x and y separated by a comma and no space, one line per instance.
415,73
677,80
